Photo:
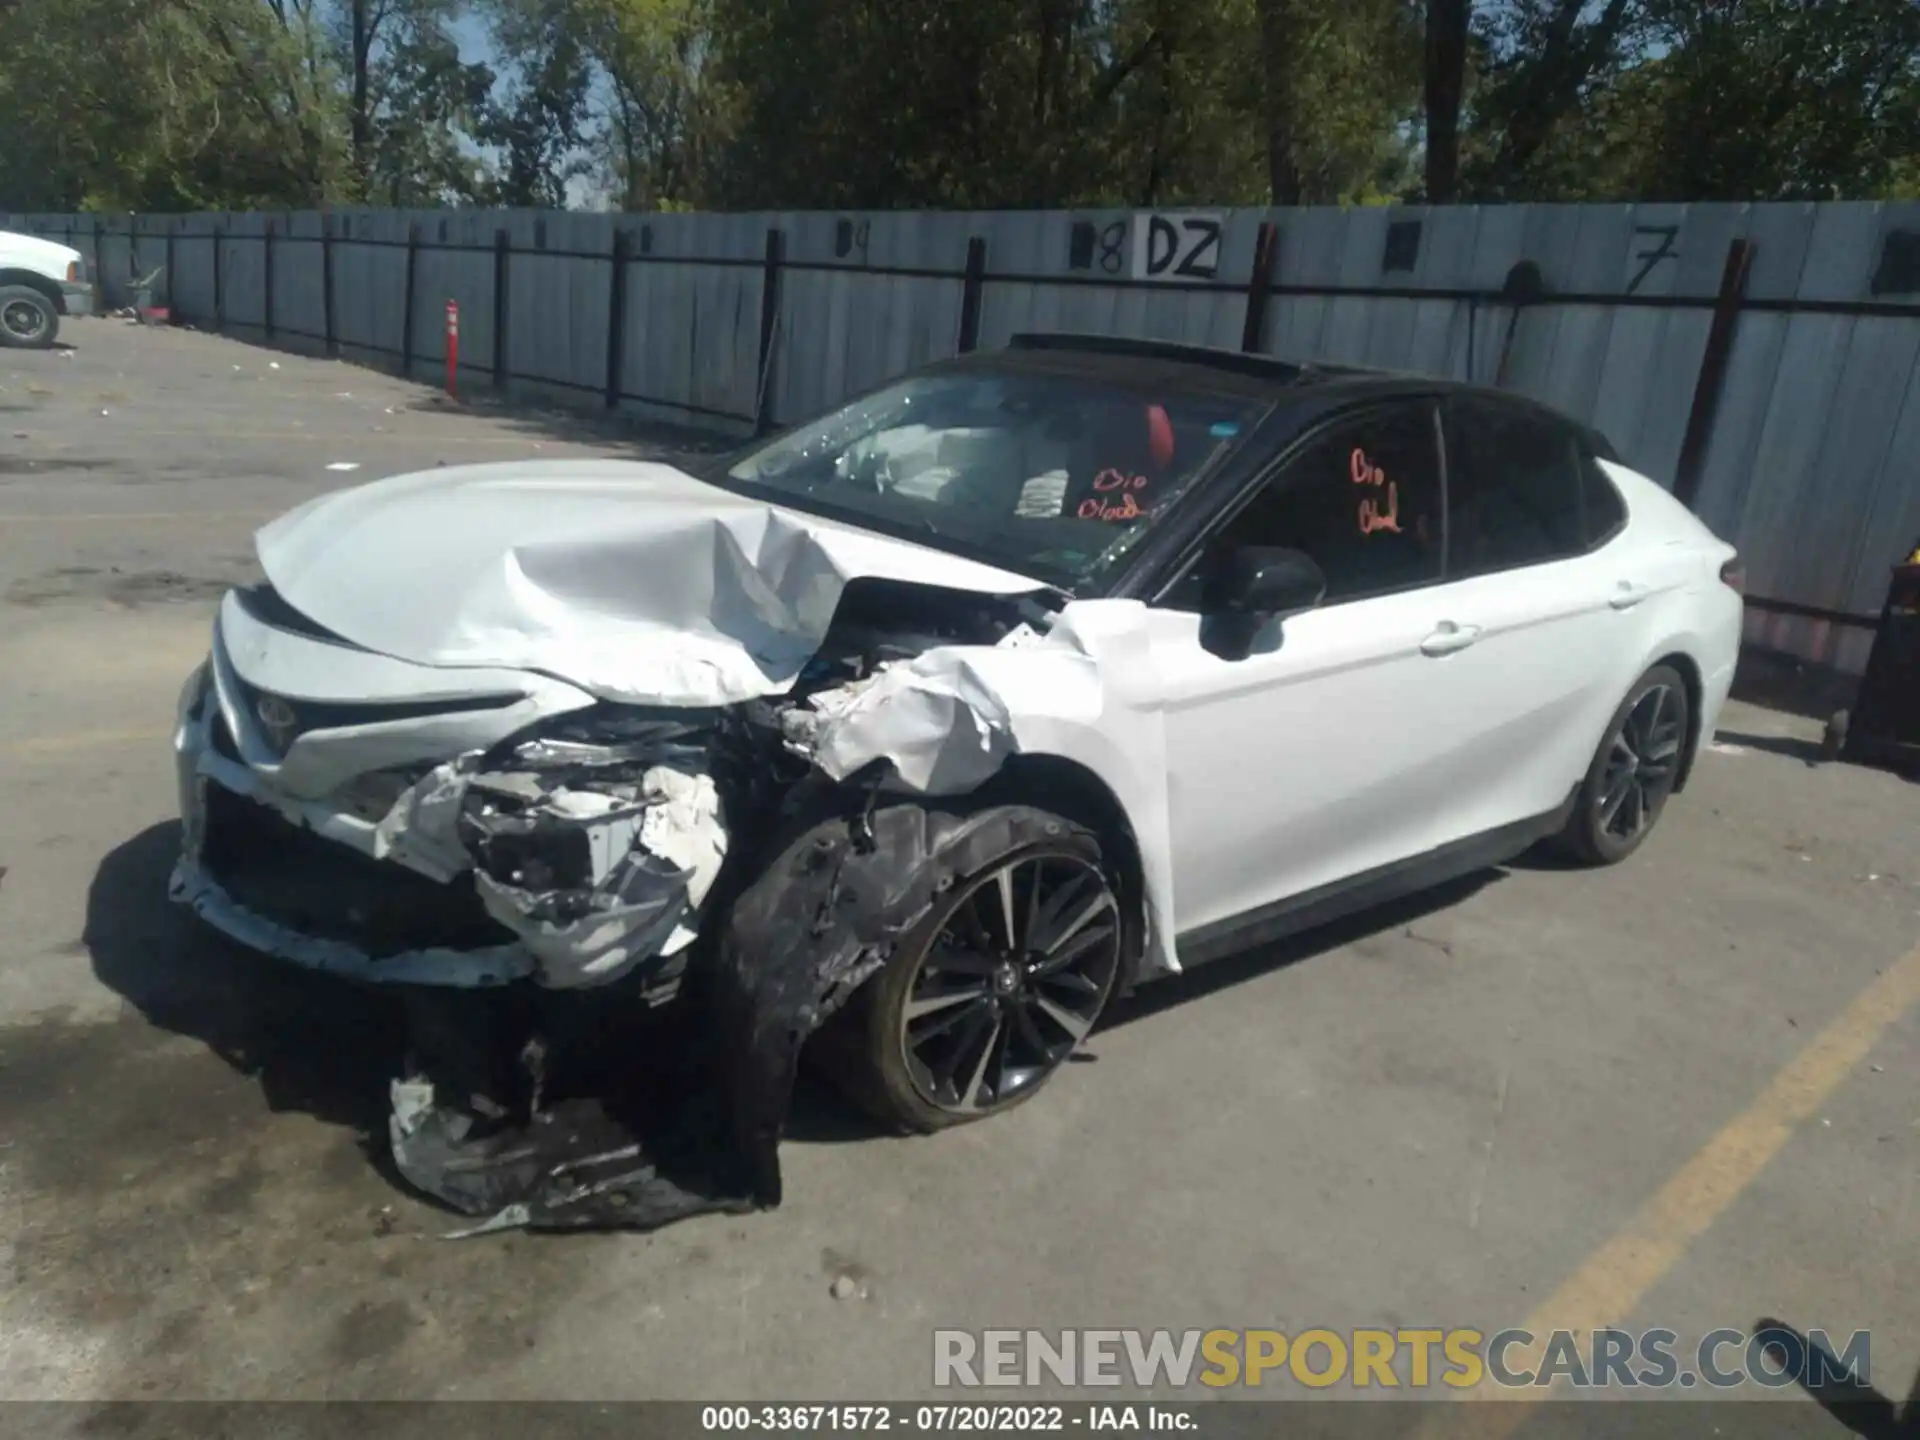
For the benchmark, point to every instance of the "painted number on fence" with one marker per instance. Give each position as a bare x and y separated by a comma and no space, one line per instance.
1177,245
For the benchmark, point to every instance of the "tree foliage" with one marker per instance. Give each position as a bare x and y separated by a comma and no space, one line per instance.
662,104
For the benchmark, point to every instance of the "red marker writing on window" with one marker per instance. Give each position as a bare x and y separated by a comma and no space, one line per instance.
1362,471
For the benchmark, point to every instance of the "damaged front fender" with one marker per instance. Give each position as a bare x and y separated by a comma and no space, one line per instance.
947,721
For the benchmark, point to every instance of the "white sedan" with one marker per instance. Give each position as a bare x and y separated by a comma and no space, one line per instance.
1022,680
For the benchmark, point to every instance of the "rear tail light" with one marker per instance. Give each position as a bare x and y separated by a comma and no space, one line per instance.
1734,575
73,272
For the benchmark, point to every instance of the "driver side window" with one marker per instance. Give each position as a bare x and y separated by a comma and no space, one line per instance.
1363,500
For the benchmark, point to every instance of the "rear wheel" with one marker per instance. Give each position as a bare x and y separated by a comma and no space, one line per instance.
28,319
987,997
1633,773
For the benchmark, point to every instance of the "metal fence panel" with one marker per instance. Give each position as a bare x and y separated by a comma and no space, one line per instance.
1806,468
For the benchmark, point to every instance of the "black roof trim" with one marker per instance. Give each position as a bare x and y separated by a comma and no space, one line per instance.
1238,362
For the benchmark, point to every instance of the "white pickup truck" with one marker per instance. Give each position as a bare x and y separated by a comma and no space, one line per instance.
39,282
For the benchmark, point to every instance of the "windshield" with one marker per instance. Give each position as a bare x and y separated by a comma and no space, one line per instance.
1051,476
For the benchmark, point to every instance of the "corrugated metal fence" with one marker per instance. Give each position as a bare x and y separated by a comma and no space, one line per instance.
1759,359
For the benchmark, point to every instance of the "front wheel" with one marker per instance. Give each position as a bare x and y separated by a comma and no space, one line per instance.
1633,773
28,319
987,997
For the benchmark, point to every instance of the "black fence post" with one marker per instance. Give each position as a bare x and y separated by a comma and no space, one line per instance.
219,277
972,287
406,315
99,252
769,320
1253,328
331,326
1691,467
502,302
617,321
266,280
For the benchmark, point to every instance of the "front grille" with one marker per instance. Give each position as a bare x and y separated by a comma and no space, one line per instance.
316,887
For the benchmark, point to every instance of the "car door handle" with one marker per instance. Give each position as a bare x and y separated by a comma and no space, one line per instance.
1448,638
1626,595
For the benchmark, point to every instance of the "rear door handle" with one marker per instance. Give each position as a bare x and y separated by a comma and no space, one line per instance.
1448,638
1626,595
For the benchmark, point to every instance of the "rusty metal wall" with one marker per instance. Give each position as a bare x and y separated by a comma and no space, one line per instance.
1810,465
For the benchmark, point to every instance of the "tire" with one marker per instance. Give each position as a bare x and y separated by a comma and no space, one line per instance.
998,1027
1633,772
28,319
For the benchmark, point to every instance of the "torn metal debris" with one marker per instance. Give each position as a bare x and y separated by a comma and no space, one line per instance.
843,887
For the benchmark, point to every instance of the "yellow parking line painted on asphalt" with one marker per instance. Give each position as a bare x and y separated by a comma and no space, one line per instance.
79,740
1607,1289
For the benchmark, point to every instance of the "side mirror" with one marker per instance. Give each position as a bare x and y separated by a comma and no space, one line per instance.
1269,580
1253,586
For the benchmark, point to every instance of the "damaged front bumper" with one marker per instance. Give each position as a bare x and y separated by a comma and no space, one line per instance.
570,859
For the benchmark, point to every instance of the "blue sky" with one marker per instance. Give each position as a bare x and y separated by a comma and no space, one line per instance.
475,42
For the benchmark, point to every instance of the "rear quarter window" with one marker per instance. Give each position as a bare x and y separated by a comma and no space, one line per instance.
1606,512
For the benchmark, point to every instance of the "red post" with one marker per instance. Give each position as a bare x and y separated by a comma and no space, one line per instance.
453,349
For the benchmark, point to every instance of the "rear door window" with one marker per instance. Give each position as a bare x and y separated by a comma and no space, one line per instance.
1516,489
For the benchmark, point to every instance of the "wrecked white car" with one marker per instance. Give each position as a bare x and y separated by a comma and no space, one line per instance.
1019,681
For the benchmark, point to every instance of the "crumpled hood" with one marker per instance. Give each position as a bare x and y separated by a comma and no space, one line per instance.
634,581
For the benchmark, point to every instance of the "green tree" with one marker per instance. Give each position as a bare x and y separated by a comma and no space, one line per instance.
1775,100
540,125
412,103
1543,67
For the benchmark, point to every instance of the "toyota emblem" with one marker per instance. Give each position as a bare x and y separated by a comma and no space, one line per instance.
277,715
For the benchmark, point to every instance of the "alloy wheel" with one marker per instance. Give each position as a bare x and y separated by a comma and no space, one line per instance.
1643,761
1012,982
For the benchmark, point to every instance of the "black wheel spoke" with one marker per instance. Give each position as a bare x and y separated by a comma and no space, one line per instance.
1067,951
1071,983
1074,1024
1024,1027
932,1002
964,1018
970,1027
977,1094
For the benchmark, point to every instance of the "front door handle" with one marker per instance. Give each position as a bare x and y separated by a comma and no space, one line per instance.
1626,595
1448,638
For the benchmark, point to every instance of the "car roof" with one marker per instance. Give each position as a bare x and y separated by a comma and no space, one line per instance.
1315,386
